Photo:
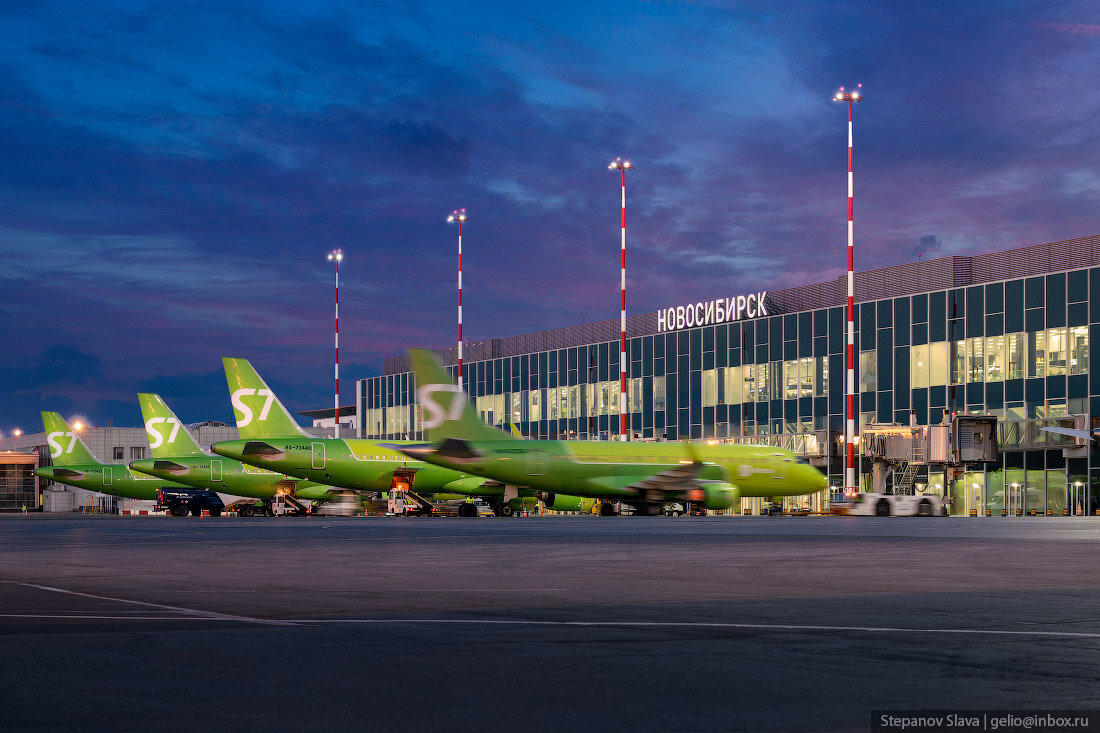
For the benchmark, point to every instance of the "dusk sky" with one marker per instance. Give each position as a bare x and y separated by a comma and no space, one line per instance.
172,175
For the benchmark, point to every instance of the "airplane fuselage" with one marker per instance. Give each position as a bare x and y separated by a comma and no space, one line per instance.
108,479
606,469
229,476
351,464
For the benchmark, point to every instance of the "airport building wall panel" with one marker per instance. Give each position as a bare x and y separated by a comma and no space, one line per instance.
1006,334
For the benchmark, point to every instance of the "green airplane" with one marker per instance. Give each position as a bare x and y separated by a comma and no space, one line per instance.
271,438
645,475
73,464
176,456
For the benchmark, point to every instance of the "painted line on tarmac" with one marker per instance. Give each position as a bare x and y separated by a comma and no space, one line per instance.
702,625
87,617
191,612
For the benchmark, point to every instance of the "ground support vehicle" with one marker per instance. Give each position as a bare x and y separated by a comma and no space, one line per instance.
278,506
180,502
893,505
408,504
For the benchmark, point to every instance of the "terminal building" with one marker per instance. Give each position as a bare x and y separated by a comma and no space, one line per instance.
1005,334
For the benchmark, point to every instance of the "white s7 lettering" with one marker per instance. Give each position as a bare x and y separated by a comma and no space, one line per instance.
246,413
435,414
56,449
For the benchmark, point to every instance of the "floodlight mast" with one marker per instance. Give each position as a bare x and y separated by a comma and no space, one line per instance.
622,166
337,256
459,215
850,437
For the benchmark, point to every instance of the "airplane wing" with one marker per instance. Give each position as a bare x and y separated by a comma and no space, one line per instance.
263,450
170,467
1082,434
672,483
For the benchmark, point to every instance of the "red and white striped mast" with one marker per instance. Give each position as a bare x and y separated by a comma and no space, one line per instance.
459,215
850,437
622,166
337,256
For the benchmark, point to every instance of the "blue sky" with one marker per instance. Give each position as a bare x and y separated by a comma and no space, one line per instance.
173,175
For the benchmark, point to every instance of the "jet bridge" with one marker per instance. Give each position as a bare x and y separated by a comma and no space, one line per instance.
901,450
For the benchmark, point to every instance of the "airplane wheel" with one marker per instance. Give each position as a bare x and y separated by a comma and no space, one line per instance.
882,509
506,510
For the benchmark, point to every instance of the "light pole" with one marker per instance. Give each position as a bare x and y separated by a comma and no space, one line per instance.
850,402
337,256
15,439
459,215
622,166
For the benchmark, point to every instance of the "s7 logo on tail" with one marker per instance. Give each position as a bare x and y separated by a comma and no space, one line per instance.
245,410
155,437
56,449
435,414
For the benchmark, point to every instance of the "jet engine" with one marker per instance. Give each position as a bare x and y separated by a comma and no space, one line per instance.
564,502
715,496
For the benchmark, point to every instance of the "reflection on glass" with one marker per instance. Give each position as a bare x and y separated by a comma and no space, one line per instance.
1036,492
958,362
710,387
938,361
534,404
975,356
994,358
1037,353
1056,351
790,379
733,383
1014,343
806,377
918,366
868,371
1079,350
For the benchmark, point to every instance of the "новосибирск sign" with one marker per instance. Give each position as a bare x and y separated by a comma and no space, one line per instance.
722,310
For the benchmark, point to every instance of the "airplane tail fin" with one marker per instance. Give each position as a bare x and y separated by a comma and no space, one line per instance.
259,412
447,412
167,436
66,447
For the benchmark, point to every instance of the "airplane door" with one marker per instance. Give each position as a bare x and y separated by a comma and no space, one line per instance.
318,455
782,466
215,470
107,476
537,462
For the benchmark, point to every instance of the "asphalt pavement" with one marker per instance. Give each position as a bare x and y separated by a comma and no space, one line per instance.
541,623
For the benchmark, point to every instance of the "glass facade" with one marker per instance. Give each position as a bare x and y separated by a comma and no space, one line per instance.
18,484
1017,349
